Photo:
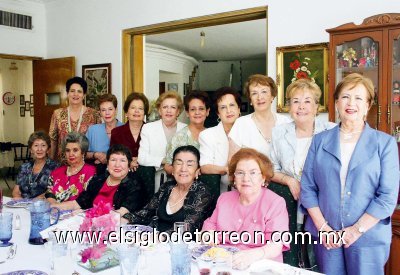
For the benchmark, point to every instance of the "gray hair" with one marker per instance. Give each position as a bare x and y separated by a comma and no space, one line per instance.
75,137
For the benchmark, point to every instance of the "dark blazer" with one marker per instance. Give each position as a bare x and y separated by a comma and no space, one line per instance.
129,193
122,135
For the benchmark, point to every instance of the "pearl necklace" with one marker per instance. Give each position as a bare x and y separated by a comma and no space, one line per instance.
79,121
182,197
110,183
348,136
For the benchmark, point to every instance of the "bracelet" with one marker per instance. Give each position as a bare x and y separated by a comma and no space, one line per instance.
323,225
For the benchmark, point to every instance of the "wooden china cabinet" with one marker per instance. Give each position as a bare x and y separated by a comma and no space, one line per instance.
373,50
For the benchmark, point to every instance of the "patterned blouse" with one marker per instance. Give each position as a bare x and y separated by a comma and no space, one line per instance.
181,138
197,206
32,185
59,125
67,188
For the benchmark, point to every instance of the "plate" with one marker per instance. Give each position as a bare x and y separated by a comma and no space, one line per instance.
199,250
25,272
19,203
138,227
64,214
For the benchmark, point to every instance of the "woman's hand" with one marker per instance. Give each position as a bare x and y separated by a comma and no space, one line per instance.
351,235
101,157
134,164
330,239
294,187
243,259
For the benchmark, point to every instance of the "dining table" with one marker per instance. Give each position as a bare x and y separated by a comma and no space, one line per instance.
35,258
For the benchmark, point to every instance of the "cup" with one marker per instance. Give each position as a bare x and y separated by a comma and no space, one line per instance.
128,255
180,259
180,228
6,219
204,265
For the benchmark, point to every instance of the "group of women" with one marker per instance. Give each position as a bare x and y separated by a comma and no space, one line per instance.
299,174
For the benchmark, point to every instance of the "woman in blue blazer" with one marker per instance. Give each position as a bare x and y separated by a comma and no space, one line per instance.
350,184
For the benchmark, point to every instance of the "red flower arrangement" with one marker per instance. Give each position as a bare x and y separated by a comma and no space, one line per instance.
300,68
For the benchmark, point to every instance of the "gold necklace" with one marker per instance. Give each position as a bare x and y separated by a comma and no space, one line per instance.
74,171
255,119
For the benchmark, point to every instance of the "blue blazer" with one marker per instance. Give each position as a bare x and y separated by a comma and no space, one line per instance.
372,182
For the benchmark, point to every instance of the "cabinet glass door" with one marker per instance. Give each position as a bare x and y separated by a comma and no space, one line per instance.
395,88
360,56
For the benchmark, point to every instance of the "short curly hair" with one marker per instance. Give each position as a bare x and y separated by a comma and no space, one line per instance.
352,80
170,94
107,98
137,96
200,95
42,135
76,80
260,80
263,162
75,137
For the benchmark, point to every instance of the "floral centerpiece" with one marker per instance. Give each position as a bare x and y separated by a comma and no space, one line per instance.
300,68
99,221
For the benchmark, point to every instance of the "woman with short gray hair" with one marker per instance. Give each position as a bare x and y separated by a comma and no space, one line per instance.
67,181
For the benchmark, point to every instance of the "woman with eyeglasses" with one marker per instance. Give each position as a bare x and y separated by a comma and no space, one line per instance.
184,199
197,107
249,209
136,107
255,130
154,138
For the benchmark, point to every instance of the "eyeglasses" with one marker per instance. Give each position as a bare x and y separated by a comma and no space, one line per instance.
189,163
252,174
261,93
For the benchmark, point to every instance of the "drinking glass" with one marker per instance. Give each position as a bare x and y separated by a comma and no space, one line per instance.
180,228
128,258
6,219
61,260
180,259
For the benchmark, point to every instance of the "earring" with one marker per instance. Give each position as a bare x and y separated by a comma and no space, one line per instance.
218,120
197,177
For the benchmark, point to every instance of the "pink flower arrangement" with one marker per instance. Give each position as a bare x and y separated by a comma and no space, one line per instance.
99,222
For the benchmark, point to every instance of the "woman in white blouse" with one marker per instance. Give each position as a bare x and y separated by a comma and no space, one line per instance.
155,137
255,130
290,144
214,144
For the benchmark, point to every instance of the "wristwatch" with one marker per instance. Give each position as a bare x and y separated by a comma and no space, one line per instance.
360,228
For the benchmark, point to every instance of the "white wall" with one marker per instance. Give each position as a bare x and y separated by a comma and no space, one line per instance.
19,82
91,29
24,42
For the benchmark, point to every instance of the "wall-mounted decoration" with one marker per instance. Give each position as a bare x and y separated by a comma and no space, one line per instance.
27,106
98,78
52,99
173,87
302,61
8,98
22,111
31,111
22,100
31,98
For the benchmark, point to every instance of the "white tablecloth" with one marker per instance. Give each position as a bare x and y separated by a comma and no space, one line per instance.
37,257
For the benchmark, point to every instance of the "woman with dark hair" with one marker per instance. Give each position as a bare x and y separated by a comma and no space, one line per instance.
76,117
184,199
99,134
214,144
67,181
136,107
118,186
197,107
32,179
255,130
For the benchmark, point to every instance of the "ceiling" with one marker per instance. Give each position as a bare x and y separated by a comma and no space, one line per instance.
237,41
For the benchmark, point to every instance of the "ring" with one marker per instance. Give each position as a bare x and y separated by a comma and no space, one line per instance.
328,248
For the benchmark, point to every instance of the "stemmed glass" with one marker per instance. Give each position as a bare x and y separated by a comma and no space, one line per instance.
6,219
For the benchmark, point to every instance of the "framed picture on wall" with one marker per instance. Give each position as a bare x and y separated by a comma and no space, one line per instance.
173,87
302,61
98,78
27,106
31,111
22,100
22,111
31,98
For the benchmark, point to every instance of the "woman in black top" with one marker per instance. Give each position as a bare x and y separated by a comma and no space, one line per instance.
118,186
185,199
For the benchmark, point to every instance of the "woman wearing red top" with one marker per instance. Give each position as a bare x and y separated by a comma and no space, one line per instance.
118,187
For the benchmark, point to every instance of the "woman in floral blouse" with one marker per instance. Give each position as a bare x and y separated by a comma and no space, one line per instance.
184,199
67,181
76,117
33,177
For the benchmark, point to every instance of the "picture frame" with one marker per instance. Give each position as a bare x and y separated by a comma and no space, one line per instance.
27,106
22,111
173,87
22,100
31,98
31,111
98,78
302,61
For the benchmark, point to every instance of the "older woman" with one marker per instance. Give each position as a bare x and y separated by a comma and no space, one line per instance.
117,187
67,181
33,176
350,183
99,134
214,144
197,107
136,107
155,137
184,199
251,208
76,117
290,143
255,130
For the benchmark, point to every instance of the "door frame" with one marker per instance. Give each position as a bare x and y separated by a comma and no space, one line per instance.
133,40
